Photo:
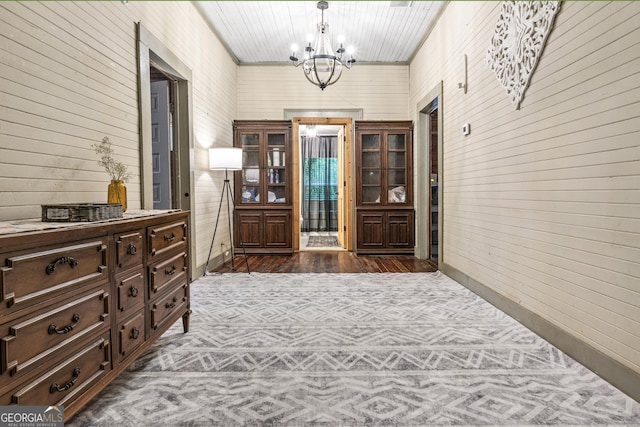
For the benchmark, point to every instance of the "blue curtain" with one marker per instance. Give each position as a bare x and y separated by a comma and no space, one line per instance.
320,186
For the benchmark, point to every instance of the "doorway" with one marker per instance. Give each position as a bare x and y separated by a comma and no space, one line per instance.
433,179
323,199
163,158
320,152
430,164
157,62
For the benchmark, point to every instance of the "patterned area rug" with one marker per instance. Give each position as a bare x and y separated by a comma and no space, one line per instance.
352,350
323,242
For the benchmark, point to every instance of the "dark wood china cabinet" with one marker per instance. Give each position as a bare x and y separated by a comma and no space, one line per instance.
384,187
263,187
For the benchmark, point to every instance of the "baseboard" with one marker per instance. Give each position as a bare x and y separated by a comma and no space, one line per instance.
620,376
214,263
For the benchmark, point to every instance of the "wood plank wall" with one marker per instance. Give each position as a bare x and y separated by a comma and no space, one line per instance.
542,204
61,93
69,78
381,91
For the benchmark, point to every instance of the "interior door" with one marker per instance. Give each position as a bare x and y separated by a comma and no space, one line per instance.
341,181
160,146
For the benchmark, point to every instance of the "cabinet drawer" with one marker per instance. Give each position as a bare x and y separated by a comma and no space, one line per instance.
169,306
166,274
33,340
130,335
37,276
129,250
130,292
165,238
69,379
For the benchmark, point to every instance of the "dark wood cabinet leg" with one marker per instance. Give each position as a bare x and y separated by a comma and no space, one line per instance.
185,321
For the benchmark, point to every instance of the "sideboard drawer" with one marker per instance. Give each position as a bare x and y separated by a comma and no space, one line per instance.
69,379
129,249
130,292
165,274
30,278
34,339
130,335
165,238
165,308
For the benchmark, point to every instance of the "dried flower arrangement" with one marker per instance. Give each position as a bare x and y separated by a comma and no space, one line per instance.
117,170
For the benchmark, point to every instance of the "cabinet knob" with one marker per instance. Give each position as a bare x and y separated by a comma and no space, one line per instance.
131,249
135,332
133,291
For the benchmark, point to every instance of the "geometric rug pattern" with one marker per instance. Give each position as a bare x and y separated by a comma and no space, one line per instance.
370,349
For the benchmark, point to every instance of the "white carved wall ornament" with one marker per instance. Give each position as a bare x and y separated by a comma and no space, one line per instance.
517,44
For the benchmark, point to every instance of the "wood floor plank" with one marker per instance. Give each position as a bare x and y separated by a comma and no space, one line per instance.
328,262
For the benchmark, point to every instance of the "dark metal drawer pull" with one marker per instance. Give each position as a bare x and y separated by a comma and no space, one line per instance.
170,238
133,291
53,329
64,260
131,249
171,304
135,332
55,387
170,272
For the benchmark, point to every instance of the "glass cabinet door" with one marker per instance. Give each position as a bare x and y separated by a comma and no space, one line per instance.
371,168
396,168
250,167
276,170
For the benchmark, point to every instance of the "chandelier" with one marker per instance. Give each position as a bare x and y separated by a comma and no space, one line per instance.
320,65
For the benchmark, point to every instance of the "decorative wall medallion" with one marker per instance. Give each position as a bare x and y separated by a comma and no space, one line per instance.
517,44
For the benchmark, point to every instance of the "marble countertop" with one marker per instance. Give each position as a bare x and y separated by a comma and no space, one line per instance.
36,224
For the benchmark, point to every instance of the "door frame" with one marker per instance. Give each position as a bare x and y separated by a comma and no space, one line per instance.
152,51
346,147
423,163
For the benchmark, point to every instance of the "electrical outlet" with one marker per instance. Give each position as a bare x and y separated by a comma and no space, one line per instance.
222,249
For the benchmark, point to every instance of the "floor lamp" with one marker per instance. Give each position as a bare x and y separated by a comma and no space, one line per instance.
226,159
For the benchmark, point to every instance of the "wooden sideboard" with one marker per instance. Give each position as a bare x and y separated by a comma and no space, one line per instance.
80,302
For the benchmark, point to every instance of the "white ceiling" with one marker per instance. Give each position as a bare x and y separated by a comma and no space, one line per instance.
379,31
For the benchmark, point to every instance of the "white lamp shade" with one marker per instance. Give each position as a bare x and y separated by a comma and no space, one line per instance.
225,158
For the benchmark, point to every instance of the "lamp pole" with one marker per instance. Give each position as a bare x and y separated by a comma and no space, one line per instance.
219,159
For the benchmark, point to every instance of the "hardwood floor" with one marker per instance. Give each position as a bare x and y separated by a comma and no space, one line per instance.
328,262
